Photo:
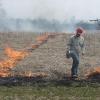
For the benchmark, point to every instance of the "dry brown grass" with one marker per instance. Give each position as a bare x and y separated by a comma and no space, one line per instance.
50,57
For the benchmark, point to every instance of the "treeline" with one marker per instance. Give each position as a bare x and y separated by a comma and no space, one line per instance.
43,25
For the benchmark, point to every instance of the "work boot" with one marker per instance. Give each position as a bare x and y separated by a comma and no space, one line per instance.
74,76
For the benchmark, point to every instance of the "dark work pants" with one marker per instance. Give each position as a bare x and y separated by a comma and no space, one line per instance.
75,65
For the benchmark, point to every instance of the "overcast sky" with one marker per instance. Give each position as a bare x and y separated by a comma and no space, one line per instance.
52,9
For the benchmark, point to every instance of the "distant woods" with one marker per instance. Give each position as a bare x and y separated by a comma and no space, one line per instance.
42,25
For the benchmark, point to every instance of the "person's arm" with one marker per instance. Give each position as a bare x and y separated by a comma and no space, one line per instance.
69,43
83,46
68,48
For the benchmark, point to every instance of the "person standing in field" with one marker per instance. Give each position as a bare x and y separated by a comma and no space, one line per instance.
75,47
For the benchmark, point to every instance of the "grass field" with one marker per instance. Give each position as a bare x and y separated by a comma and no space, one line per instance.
50,58
51,91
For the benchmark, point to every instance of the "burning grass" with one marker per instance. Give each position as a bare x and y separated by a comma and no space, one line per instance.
39,90
94,74
14,56
17,55
42,38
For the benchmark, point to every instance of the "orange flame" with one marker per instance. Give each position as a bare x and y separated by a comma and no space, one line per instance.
93,72
15,56
34,46
97,69
42,39
10,62
4,73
